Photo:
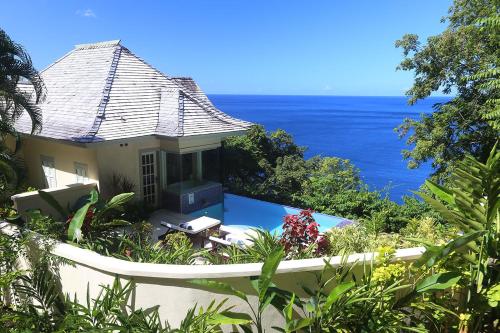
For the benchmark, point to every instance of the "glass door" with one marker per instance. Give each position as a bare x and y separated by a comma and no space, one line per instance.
148,166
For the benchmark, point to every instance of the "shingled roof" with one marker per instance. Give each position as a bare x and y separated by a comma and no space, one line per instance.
103,91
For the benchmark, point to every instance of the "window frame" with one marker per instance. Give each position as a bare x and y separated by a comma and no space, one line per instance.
44,159
85,168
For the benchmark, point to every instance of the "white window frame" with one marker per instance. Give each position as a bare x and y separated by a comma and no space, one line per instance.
81,173
49,172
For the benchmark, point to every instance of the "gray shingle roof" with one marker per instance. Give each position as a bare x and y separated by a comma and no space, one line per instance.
103,91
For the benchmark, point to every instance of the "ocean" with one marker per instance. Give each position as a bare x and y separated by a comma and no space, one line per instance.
357,128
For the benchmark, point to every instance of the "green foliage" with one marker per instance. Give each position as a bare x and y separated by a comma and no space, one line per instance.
349,239
269,166
350,298
462,60
210,319
472,204
11,247
175,249
490,77
267,292
264,243
110,312
358,238
92,216
44,225
15,66
259,163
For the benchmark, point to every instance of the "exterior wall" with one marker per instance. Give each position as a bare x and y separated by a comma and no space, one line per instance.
104,159
168,285
64,154
122,157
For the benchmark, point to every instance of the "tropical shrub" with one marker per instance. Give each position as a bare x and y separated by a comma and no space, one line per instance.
472,205
263,244
386,299
91,216
44,225
267,292
358,238
118,183
352,238
300,237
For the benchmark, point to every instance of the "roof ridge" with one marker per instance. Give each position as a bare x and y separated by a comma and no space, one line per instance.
108,43
101,110
181,113
87,46
211,109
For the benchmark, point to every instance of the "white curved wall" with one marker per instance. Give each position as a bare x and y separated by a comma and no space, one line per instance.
167,285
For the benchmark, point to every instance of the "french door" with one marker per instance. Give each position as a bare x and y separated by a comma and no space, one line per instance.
148,167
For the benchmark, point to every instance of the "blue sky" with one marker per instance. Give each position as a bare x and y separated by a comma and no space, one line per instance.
293,47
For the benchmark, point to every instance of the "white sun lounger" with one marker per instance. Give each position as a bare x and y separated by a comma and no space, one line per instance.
193,227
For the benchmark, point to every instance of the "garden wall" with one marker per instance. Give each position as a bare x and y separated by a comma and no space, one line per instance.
66,195
168,286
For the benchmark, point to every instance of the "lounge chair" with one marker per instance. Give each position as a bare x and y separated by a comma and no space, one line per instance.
197,229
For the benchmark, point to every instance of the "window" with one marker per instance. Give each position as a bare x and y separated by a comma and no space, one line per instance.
211,165
49,171
188,166
173,168
81,173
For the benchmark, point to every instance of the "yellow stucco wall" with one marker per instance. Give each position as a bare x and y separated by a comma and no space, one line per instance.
122,157
103,159
64,155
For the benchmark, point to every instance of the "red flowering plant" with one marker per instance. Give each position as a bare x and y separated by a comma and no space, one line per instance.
301,237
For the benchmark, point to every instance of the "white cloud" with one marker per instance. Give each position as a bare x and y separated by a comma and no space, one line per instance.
327,87
86,13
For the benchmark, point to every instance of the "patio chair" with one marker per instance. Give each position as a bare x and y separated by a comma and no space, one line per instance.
198,230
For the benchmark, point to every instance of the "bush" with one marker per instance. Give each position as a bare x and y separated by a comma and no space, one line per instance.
353,238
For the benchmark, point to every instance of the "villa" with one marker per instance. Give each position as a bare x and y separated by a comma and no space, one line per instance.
109,114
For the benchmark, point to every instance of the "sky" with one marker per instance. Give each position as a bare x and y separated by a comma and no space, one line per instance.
292,47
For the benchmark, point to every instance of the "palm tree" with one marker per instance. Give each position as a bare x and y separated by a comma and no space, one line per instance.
21,89
16,68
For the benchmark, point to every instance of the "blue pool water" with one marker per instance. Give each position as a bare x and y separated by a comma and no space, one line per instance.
244,212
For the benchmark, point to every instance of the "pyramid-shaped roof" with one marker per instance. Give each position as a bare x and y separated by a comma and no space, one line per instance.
102,91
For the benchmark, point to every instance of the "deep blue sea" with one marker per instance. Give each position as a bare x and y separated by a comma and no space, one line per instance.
360,129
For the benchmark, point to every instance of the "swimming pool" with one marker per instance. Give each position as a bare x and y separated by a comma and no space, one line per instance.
244,212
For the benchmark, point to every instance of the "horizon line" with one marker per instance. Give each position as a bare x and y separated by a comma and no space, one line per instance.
318,95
